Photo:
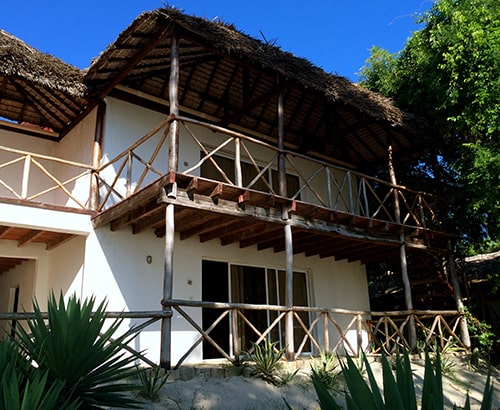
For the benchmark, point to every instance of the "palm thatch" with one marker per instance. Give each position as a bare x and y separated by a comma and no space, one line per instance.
227,39
233,77
37,88
20,60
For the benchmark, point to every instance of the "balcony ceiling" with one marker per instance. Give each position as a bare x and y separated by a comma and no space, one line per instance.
24,236
232,79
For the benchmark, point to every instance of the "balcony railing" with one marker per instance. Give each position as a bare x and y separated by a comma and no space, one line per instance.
329,186
29,176
42,178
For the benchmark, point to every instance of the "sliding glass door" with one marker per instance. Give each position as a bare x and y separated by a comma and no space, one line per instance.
223,282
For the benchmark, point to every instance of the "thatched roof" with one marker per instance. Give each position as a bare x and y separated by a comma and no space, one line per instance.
20,60
36,87
326,113
482,265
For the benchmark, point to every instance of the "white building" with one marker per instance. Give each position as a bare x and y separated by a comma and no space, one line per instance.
191,164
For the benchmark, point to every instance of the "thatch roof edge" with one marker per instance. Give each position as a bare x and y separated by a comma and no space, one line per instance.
227,39
21,60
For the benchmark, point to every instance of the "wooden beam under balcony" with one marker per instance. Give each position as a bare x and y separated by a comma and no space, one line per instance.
254,218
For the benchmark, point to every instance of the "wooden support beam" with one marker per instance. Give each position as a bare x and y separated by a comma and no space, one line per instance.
58,241
235,236
148,221
5,230
210,225
192,186
404,262
229,227
216,193
173,162
31,236
134,215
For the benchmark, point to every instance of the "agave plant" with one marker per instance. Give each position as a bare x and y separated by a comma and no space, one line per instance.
398,392
266,361
74,346
25,387
326,369
151,380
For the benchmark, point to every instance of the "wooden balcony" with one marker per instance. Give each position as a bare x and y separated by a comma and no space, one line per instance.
347,214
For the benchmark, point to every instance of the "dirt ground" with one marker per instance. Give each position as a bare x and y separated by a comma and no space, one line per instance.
223,386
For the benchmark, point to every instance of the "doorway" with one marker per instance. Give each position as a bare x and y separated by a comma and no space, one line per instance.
215,288
225,282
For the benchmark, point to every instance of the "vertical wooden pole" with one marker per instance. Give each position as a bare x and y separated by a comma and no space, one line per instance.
402,255
326,335
359,335
282,190
173,162
236,335
96,156
237,163
464,330
289,337
26,177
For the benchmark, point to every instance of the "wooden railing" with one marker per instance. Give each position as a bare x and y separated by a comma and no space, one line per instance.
326,329
28,176
142,319
320,183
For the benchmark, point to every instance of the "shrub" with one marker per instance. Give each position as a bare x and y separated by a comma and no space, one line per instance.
151,380
74,348
326,370
266,358
398,392
23,386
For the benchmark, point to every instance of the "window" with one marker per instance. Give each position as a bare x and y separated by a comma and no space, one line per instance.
223,282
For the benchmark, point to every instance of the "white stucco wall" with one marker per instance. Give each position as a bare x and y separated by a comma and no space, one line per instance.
116,268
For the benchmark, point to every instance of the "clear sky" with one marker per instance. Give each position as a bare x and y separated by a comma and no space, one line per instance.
333,34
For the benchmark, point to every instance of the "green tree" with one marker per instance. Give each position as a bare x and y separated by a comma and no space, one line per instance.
449,73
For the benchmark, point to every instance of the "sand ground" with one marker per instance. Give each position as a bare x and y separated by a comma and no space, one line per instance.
225,387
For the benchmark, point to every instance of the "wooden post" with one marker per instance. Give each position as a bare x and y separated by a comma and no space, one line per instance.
464,330
282,190
237,162
359,335
26,177
96,156
289,336
173,161
326,335
402,255
236,335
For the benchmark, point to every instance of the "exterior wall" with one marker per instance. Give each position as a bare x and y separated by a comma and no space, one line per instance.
12,174
114,265
22,277
76,146
124,125
116,268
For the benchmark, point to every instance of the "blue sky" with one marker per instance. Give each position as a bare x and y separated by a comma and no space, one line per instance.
335,35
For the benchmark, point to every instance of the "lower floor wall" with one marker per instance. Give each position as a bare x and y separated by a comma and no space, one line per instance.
127,271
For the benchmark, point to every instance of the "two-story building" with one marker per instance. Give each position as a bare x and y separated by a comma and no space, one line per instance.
219,185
